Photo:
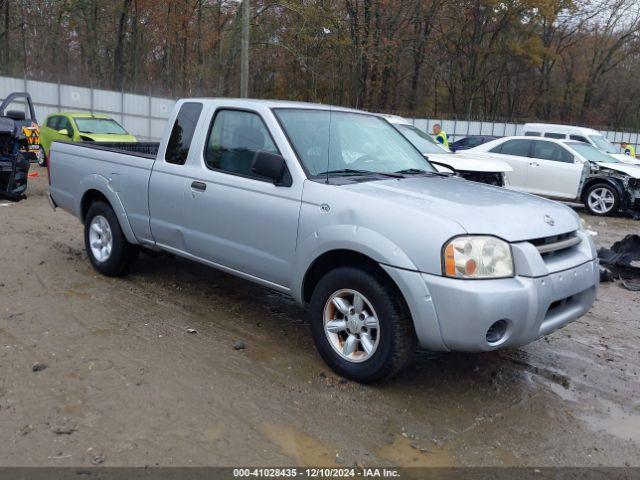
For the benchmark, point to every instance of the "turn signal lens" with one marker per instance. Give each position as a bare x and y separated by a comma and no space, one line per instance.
478,257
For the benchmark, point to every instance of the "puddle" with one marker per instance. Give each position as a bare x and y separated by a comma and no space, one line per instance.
302,448
401,452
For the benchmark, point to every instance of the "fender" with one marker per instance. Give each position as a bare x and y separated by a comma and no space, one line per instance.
345,237
109,188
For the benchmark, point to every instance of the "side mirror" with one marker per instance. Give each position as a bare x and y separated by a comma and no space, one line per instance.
273,166
64,132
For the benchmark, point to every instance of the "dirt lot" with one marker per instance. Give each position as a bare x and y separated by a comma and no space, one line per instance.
126,384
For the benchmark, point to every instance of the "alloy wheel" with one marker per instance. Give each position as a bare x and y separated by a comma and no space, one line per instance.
351,325
100,238
601,200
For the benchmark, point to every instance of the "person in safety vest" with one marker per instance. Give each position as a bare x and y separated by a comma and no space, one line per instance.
440,136
628,149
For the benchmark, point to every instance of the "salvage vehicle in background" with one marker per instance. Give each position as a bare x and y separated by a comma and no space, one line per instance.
578,134
19,144
468,167
567,170
336,208
470,141
81,127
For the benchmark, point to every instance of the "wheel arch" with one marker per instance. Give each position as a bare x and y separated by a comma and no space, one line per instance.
332,259
96,188
613,182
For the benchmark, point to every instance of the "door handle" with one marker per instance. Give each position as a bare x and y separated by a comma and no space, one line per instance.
200,186
534,164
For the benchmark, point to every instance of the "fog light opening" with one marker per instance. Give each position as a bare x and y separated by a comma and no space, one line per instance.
497,332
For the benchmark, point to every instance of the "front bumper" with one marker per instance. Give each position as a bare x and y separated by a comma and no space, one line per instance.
455,315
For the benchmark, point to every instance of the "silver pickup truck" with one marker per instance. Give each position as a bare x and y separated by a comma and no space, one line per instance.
336,208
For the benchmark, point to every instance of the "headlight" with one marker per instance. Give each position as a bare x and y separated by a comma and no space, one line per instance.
478,257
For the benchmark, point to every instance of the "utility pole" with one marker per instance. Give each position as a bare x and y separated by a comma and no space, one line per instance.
244,50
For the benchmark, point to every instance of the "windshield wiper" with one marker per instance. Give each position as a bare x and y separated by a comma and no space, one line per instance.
361,172
417,171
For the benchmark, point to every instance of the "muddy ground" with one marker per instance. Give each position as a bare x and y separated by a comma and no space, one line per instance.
126,384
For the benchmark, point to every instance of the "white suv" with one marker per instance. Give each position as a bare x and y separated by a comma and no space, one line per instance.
566,170
578,134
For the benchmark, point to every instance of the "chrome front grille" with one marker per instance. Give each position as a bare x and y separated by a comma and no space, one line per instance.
556,243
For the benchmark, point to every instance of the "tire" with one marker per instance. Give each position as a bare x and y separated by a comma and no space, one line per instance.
394,339
116,260
602,199
42,158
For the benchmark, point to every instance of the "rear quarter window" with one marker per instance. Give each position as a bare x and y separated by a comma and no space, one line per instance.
555,135
578,138
519,148
182,133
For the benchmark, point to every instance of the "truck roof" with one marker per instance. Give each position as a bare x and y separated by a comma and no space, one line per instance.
249,102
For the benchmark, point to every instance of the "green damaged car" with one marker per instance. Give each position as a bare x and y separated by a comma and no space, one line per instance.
81,127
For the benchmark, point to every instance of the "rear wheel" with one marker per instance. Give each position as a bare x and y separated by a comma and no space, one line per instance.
602,199
361,325
109,251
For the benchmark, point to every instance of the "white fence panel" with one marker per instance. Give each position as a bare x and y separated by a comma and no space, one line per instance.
145,116
74,97
136,104
46,93
107,101
161,107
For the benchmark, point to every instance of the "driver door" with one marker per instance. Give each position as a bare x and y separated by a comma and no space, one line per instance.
51,131
233,217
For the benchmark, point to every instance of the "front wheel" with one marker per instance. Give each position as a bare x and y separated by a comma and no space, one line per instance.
602,199
109,251
361,325
42,158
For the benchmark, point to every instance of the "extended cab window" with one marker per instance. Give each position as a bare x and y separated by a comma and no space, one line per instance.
578,138
519,148
532,134
234,139
551,151
182,133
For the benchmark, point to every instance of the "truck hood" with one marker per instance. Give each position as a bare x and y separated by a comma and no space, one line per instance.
463,162
631,170
625,158
108,137
476,207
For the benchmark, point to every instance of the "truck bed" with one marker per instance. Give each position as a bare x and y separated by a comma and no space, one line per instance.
113,169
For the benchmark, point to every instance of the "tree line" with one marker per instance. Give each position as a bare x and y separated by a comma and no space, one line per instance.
573,61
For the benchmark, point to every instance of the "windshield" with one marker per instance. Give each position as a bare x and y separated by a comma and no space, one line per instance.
345,143
603,144
99,125
592,154
421,140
